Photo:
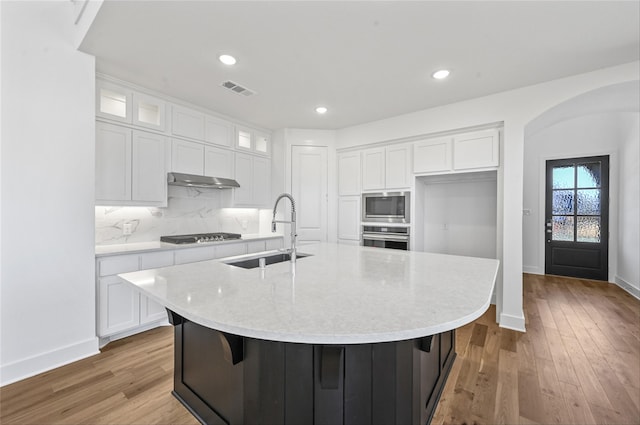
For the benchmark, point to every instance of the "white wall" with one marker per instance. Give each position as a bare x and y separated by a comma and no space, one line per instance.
628,265
48,284
603,121
459,214
590,135
515,109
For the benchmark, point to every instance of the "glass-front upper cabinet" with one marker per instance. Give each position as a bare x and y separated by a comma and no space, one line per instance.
148,111
253,140
113,102
121,104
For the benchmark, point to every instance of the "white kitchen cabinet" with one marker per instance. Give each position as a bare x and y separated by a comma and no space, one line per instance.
386,168
230,250
432,155
397,169
117,103
131,166
119,306
113,163
461,152
187,157
349,218
476,150
254,141
149,168
200,159
218,162
191,255
187,123
271,244
373,172
151,311
149,111
349,173
218,132
113,102
123,311
253,173
262,143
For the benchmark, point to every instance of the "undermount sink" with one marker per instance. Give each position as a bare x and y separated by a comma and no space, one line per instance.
252,263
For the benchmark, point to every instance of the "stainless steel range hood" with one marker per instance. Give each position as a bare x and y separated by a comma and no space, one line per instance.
191,180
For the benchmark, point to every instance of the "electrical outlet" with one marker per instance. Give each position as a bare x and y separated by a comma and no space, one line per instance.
127,229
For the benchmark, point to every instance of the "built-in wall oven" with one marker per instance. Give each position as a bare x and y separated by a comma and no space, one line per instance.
394,237
386,207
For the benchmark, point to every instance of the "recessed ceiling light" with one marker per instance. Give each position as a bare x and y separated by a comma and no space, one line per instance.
227,59
321,110
441,74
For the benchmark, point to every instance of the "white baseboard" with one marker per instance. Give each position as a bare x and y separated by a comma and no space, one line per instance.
532,270
631,289
31,366
515,323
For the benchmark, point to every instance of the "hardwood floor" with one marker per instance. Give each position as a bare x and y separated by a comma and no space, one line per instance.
578,363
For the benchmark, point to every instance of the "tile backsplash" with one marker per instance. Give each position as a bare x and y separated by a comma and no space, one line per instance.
189,210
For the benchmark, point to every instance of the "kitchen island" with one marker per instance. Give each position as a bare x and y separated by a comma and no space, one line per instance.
346,335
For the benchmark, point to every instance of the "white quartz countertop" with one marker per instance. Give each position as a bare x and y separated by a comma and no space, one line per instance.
341,294
140,247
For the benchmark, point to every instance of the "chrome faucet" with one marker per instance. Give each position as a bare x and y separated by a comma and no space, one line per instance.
292,222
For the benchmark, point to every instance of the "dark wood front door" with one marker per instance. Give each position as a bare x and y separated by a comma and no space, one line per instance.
577,217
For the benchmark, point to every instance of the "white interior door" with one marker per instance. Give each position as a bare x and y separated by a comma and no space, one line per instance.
309,185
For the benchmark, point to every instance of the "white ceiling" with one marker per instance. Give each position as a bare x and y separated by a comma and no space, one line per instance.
363,60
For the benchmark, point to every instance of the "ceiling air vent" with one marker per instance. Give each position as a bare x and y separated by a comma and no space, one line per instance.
237,88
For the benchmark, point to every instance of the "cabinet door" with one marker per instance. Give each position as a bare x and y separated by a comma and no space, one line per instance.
243,195
262,143
349,218
261,182
113,102
151,311
272,244
113,163
476,150
149,171
244,138
218,162
432,155
187,123
187,157
256,246
191,255
349,173
119,306
373,172
218,131
231,250
397,173
148,111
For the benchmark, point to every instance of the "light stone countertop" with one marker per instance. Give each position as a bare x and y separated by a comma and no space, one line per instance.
341,294
141,247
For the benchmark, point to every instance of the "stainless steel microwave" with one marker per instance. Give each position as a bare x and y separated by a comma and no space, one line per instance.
386,207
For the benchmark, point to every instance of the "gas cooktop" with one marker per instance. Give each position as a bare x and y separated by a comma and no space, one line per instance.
200,238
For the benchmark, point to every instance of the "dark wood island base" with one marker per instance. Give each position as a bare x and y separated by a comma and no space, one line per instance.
229,379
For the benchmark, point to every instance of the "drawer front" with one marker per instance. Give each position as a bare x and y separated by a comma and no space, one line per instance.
118,264
191,255
256,246
156,259
272,244
231,250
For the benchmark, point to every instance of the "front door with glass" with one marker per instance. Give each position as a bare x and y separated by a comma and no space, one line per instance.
577,217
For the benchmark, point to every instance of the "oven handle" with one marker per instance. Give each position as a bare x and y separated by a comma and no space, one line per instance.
385,237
